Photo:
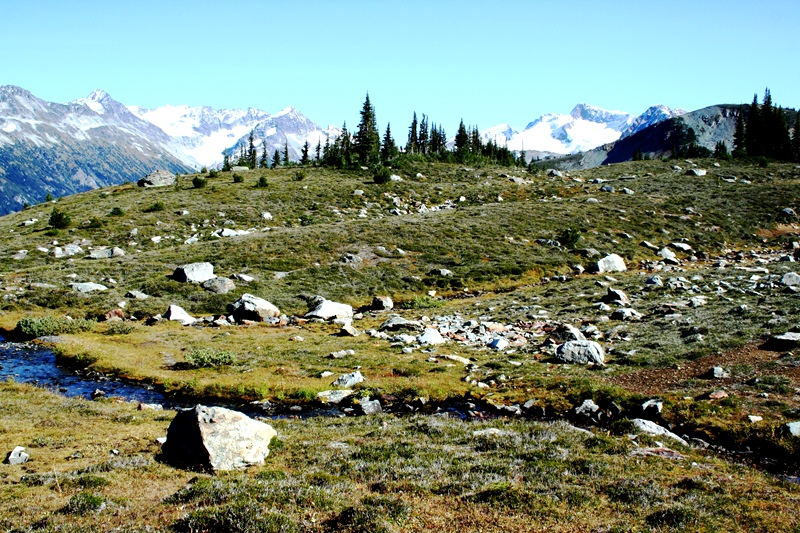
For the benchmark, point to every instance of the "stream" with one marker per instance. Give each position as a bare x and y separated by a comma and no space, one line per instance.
28,364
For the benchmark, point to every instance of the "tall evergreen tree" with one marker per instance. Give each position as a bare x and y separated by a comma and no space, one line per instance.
753,130
462,138
304,159
319,149
264,162
389,149
251,150
226,162
739,149
367,140
413,141
422,138
286,154
276,159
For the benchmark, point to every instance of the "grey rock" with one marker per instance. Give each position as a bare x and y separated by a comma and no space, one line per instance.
348,380
159,178
654,281
219,285
566,332
616,296
397,323
682,246
333,397
793,428
610,263
718,372
88,287
20,255
607,188
654,406
370,407
788,212
217,439
349,331
696,172
243,278
553,173
667,254
790,279
581,352
587,408
178,314
382,303
785,341
250,307
626,313
442,272
136,295
651,428
106,253
194,273
327,309
431,336
17,456
498,343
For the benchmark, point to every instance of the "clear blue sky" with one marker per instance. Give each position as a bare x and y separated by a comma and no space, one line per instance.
488,62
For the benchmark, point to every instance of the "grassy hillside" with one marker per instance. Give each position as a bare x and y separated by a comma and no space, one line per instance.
516,244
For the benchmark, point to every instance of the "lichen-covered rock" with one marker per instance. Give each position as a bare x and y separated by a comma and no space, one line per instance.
159,178
194,273
581,352
216,439
327,309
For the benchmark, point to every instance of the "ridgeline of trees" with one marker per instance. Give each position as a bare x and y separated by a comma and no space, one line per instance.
426,141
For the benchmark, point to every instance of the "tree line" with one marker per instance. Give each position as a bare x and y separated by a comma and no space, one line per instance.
763,131
367,148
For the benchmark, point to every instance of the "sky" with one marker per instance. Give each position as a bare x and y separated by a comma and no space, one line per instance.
485,62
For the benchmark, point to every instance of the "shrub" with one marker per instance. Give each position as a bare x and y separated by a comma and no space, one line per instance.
382,175
300,175
422,302
262,182
569,237
84,503
209,357
203,170
120,328
237,178
31,326
95,222
59,219
49,197
158,206
198,182
117,212
213,173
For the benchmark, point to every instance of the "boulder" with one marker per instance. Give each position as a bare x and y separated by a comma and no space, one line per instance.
626,313
327,309
667,254
219,285
17,456
397,323
370,407
790,279
382,303
430,337
553,173
159,178
106,253
616,296
695,172
785,341
498,343
177,314
194,273
348,380
610,263
581,352
793,428
136,295
250,307
566,332
654,430
88,287
216,439
333,396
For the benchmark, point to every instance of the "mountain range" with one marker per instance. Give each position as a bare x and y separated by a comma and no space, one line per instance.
59,149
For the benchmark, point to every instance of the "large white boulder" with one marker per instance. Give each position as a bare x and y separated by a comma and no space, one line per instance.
194,273
216,439
176,313
250,307
327,309
610,263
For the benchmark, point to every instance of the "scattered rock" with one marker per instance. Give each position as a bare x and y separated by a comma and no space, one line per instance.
626,313
397,323
790,279
718,372
17,456
581,352
159,178
370,407
194,273
696,172
382,303
498,343
553,173
327,309
793,428
566,332
653,406
106,253
333,396
349,331
177,314
651,428
136,295
431,336
587,408
718,395
348,380
253,308
217,439
219,285
616,296
610,263
754,418
244,278
88,287
783,342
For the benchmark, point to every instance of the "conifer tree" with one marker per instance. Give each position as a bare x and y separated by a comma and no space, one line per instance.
753,130
739,149
286,154
367,141
389,148
422,139
226,162
276,159
462,138
304,159
796,137
319,149
413,141
251,150
264,162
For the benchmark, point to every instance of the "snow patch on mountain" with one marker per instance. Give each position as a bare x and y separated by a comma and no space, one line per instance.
584,128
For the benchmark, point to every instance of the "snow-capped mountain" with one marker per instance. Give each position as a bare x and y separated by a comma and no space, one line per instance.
584,128
47,147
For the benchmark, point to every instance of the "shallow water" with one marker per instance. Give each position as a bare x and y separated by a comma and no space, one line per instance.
28,364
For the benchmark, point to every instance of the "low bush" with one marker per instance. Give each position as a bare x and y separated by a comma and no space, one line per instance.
158,206
33,327
237,178
198,182
59,219
209,357
84,503
262,182
382,175
120,328
117,212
